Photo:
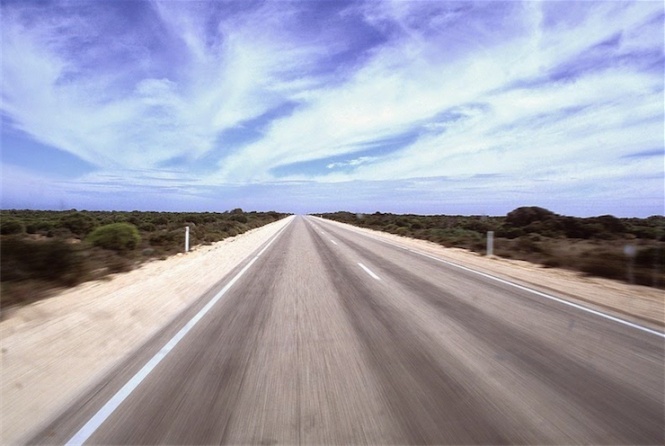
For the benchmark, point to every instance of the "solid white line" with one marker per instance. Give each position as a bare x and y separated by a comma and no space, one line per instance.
368,271
111,405
549,296
333,241
506,282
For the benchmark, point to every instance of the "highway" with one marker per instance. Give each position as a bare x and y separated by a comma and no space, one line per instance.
329,336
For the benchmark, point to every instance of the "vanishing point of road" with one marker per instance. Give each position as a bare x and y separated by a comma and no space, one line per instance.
327,335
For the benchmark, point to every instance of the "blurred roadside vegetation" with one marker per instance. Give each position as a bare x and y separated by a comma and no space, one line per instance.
41,251
594,246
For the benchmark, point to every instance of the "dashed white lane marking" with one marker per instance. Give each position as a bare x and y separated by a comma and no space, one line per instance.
333,241
531,290
111,405
368,271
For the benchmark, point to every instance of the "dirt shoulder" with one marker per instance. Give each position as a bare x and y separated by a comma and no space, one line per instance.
54,348
640,304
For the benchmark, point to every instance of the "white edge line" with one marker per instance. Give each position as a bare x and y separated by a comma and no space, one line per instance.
333,241
368,271
111,405
554,298
539,293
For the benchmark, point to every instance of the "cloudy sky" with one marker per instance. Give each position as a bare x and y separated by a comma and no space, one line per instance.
311,106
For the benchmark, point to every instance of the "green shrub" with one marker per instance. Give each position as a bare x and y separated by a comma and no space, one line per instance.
148,227
605,264
524,216
239,218
162,238
116,236
509,233
78,223
650,257
60,233
403,231
119,264
610,224
528,245
10,226
52,260
161,220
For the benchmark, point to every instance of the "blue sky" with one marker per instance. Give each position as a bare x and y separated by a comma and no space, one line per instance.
312,106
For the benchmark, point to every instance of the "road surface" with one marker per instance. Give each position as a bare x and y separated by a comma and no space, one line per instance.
331,336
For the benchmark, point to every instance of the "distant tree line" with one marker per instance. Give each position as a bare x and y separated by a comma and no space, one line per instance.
593,245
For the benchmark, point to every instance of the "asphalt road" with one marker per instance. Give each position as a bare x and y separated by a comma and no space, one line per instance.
330,336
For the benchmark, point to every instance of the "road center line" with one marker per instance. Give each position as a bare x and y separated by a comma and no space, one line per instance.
111,405
368,271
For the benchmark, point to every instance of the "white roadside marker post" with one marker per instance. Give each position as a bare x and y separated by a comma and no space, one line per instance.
490,243
186,238
630,251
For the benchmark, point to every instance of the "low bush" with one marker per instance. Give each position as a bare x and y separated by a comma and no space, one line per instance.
162,238
53,261
148,227
116,237
11,226
653,257
601,263
239,218
529,245
403,231
119,264
78,223
59,233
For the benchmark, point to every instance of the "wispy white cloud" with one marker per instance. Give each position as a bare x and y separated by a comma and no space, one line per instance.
401,88
517,92
226,74
351,163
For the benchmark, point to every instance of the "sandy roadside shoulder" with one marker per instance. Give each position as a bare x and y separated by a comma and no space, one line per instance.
54,348
639,304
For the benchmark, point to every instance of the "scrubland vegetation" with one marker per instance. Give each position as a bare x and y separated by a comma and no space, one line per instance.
44,250
594,246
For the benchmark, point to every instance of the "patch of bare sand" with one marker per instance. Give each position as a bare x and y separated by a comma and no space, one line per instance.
54,348
637,303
